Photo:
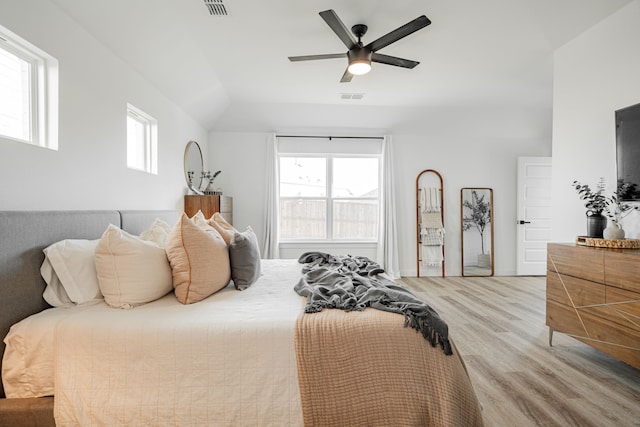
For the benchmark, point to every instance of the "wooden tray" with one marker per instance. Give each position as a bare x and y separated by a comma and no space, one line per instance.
607,243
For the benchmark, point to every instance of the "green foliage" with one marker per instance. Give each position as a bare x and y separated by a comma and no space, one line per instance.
210,176
597,203
616,210
594,201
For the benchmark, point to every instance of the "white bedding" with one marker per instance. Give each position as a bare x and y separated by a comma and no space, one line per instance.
27,364
228,360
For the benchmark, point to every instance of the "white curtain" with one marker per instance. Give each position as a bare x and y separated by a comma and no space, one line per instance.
388,240
271,249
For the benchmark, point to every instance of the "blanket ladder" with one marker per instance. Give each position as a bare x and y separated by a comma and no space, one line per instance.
429,222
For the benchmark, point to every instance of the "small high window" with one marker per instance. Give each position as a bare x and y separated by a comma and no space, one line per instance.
142,140
29,87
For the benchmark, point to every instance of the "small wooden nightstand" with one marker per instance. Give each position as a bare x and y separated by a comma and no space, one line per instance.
209,205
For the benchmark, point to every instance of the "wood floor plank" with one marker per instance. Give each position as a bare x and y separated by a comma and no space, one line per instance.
498,325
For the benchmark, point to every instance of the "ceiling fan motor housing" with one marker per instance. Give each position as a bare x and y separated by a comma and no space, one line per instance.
359,60
359,54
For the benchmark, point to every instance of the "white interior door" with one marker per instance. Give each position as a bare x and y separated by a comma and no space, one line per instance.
534,215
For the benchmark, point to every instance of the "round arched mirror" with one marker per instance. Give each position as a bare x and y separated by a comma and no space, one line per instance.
193,166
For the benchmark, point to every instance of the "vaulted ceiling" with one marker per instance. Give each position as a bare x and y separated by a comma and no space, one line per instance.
232,73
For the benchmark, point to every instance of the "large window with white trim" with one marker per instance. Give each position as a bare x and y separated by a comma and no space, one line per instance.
329,196
142,140
29,88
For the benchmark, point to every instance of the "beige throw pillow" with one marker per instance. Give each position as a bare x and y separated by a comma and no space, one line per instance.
199,260
131,271
225,229
157,233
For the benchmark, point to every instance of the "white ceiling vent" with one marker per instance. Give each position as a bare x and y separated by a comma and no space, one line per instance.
217,8
352,95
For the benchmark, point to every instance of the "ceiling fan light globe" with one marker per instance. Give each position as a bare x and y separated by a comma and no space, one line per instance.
360,67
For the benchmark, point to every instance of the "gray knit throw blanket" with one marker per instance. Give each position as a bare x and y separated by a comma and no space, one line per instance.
354,283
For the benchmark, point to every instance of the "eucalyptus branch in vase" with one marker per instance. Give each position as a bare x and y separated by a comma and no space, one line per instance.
616,210
210,177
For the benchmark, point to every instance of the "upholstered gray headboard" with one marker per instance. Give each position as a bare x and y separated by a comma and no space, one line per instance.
23,236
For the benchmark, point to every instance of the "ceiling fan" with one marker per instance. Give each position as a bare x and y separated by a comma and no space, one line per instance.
361,56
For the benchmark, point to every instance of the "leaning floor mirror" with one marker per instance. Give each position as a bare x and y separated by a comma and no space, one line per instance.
476,205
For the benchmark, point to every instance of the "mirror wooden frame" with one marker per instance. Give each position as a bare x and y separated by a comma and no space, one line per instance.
477,223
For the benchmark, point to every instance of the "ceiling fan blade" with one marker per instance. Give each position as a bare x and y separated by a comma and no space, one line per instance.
331,18
399,33
346,77
393,60
314,57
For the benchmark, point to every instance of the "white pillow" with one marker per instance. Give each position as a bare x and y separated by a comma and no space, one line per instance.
157,233
70,273
54,292
131,271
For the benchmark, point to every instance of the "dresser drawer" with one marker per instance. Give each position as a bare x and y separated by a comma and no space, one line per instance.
563,318
565,289
610,330
622,269
576,261
611,314
624,301
591,323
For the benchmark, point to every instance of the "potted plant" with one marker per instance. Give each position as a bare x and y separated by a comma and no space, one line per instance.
479,217
596,203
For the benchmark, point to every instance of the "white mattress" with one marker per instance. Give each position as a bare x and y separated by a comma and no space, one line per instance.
228,360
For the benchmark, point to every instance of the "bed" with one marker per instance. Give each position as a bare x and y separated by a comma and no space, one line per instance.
250,357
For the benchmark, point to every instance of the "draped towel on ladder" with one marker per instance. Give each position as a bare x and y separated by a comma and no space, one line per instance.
431,227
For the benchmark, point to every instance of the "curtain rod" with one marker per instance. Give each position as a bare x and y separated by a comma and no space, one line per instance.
329,137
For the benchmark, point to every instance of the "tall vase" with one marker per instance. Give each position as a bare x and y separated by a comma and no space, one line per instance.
596,223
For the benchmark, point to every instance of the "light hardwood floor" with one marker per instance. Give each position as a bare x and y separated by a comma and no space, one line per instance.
498,325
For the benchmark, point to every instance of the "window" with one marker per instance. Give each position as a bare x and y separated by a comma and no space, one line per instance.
29,87
142,140
331,197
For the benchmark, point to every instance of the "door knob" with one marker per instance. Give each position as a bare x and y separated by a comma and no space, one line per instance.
524,222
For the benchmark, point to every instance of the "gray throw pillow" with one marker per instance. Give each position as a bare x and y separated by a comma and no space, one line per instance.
244,256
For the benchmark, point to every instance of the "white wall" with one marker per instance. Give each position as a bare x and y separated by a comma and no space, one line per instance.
469,147
89,169
594,75
242,159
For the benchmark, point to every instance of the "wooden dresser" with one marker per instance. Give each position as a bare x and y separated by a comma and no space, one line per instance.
209,205
593,295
